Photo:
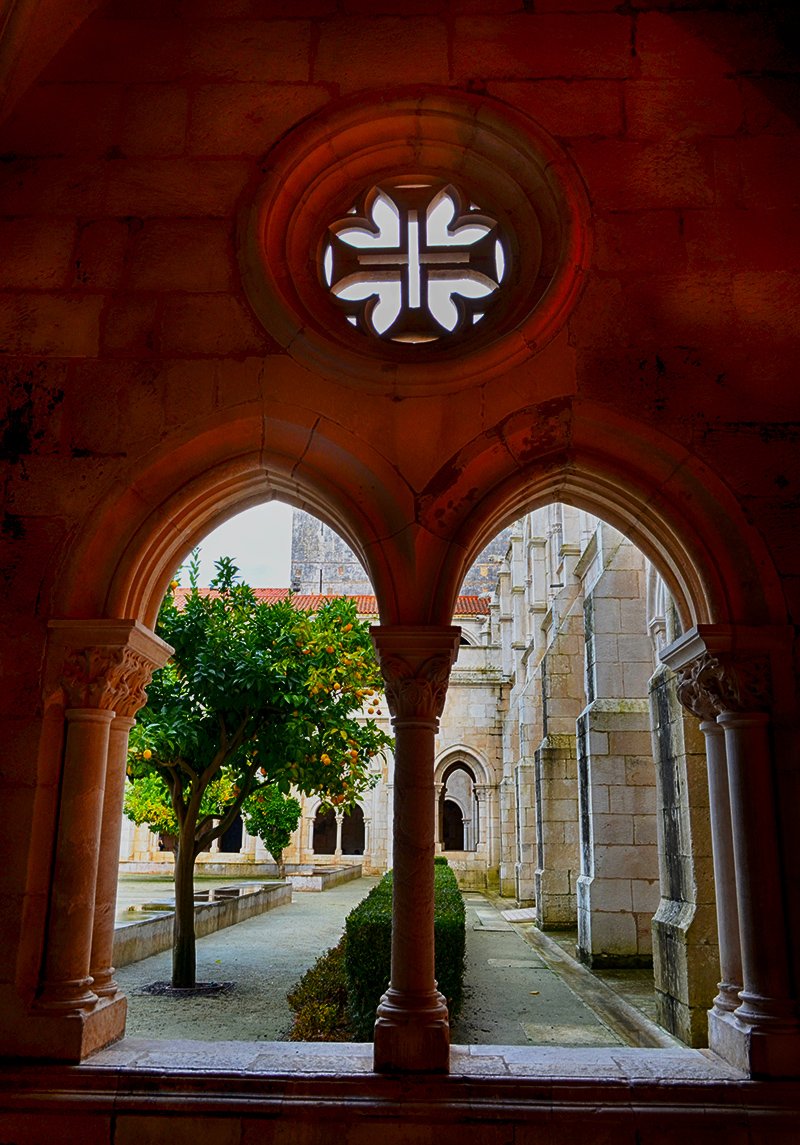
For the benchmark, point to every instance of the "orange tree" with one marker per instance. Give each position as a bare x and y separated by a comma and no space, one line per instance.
255,694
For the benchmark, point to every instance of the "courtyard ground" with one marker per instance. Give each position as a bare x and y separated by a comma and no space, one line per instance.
521,987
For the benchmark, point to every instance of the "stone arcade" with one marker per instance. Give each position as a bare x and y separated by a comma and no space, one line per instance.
173,353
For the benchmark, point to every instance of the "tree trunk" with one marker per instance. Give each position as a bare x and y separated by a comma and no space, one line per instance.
183,941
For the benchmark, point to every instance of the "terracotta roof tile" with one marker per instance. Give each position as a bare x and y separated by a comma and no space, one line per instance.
365,605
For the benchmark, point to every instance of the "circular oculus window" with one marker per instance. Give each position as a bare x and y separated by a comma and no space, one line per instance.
416,245
414,263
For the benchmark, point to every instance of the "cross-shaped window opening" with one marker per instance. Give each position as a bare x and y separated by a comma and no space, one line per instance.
415,263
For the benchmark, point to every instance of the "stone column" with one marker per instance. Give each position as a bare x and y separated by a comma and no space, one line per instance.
130,697
67,981
99,665
730,954
337,851
108,866
411,1031
438,792
762,1035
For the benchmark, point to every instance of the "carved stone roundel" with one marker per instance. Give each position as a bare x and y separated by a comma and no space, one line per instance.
414,262
416,242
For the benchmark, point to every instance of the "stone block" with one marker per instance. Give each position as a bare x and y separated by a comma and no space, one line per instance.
605,616
612,862
356,53
154,120
645,895
640,771
609,894
215,324
635,241
596,742
613,932
243,119
100,255
248,50
567,108
182,254
53,187
130,325
635,800
153,1129
36,252
522,46
636,677
617,829
607,772
608,678
685,108
64,326
627,176
175,187
625,742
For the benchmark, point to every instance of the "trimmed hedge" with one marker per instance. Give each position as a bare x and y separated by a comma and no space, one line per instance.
319,1001
367,961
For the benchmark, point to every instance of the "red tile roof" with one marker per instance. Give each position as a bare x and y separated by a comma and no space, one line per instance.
365,605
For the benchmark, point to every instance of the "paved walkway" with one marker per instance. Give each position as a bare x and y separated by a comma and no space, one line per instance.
520,988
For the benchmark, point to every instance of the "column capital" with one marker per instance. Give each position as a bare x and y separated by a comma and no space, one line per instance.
416,662
105,664
723,668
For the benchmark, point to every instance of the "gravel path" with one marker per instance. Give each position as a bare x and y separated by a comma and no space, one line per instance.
264,957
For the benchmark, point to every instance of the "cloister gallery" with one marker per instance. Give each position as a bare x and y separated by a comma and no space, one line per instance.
429,272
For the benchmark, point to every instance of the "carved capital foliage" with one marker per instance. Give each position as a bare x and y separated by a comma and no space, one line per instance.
419,690
111,678
711,685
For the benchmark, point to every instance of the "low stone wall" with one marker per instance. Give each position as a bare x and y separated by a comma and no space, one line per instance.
322,878
136,940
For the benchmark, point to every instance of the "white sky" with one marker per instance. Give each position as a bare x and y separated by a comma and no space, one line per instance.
259,540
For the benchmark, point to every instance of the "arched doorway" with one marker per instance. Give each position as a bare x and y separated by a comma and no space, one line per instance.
230,842
452,826
459,827
353,832
324,833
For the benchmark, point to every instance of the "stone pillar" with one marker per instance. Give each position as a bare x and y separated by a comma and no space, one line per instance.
411,1031
730,954
438,793
108,868
686,957
730,673
337,850
100,665
66,984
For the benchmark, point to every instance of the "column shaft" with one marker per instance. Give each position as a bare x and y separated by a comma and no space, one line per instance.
411,1030
108,864
766,996
66,979
730,956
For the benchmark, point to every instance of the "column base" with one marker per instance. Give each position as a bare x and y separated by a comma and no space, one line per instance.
412,1034
758,1053
71,1037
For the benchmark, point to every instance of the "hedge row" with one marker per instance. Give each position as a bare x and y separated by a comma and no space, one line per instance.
368,946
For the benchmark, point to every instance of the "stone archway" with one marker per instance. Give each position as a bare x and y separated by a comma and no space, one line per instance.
134,544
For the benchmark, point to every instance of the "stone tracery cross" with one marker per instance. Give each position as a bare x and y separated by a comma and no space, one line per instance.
414,264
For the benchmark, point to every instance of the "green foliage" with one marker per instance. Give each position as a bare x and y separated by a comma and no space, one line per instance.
147,801
256,694
272,817
368,930
319,1001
